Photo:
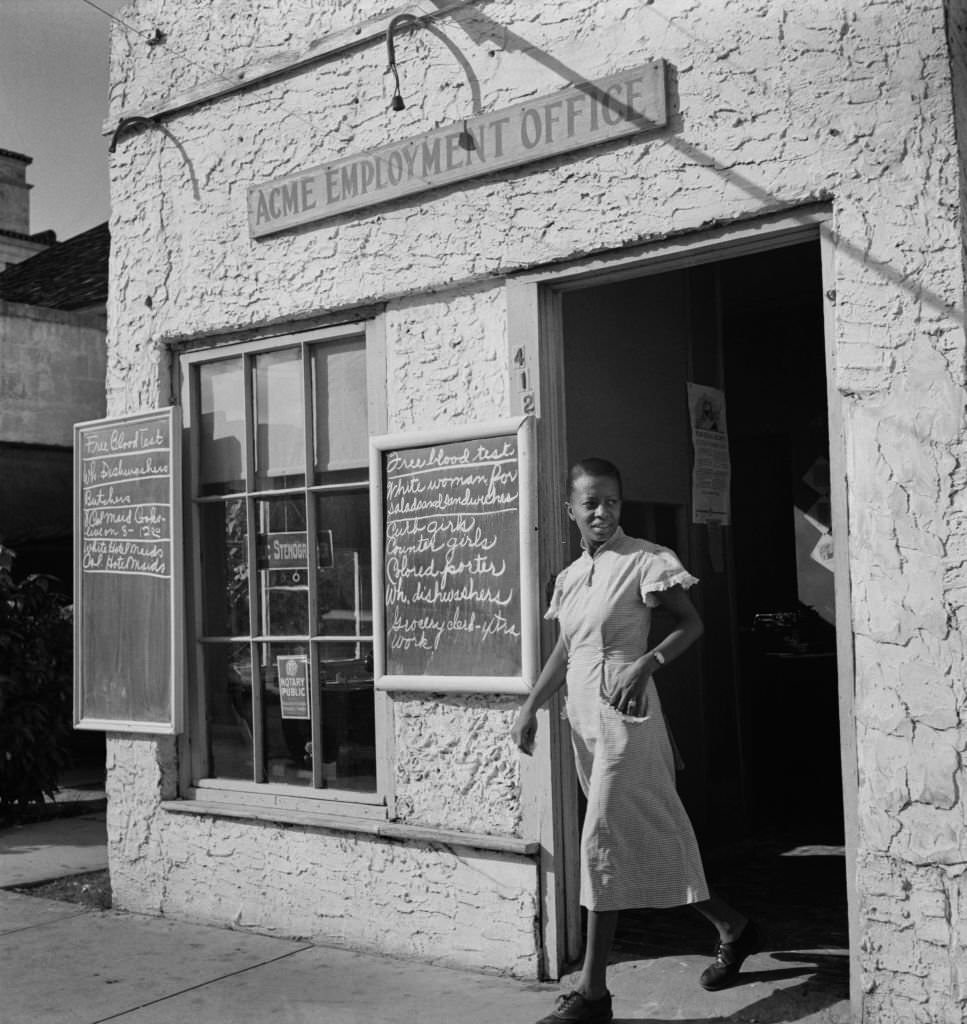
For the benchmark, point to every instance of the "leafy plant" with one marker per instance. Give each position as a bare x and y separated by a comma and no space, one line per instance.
35,686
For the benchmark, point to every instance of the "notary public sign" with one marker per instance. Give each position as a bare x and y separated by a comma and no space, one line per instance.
293,673
584,115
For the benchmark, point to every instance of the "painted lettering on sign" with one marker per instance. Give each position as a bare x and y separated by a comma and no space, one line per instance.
128,669
125,499
452,558
584,115
290,550
290,199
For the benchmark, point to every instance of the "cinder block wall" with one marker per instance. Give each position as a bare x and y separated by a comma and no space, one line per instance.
774,105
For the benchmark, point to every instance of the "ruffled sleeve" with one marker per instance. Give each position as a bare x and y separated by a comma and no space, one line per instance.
554,608
661,570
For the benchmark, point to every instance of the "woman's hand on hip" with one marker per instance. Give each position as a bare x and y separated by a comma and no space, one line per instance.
624,687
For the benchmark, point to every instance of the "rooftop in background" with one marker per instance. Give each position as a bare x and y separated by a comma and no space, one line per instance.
43,237
69,275
17,156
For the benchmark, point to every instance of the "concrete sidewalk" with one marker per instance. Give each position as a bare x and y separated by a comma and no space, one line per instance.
70,841
61,963
44,850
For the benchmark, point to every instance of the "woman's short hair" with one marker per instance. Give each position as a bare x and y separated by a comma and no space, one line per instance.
593,467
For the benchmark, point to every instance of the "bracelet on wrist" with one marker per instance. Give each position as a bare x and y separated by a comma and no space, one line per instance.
659,657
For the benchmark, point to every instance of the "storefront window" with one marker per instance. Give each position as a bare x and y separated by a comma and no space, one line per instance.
340,435
284,653
221,426
282,559
280,452
224,532
228,675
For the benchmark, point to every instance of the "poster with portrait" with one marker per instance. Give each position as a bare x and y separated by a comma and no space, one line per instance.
711,467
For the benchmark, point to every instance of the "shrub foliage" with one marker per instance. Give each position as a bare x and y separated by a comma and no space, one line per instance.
35,686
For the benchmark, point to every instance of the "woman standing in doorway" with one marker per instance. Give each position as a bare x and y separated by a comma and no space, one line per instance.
638,848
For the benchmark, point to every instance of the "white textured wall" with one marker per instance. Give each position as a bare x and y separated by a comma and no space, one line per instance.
774,104
443,904
455,764
448,359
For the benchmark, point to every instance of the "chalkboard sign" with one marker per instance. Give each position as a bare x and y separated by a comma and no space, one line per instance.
127,573
454,527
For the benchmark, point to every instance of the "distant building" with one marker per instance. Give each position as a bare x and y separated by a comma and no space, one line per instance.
16,242
52,367
70,275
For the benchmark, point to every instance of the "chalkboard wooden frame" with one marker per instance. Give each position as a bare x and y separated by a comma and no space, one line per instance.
131,653
522,681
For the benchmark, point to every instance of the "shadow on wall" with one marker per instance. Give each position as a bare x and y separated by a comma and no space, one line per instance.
482,29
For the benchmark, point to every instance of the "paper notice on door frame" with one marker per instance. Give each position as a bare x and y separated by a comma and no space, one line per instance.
711,467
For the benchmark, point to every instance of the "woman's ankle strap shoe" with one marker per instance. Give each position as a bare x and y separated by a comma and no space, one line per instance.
729,957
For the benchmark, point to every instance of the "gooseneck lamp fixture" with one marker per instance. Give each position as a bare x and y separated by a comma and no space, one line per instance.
130,122
397,102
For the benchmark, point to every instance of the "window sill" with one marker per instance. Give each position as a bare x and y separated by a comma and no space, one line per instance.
364,826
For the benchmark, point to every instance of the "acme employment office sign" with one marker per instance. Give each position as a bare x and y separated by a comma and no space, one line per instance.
574,118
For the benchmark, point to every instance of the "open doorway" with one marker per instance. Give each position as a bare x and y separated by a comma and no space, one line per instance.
754,707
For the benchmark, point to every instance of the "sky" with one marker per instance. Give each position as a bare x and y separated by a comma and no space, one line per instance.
53,104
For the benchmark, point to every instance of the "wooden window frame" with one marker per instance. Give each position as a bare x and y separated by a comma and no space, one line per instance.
269,799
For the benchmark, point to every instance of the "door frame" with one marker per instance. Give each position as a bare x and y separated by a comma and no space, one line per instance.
536,360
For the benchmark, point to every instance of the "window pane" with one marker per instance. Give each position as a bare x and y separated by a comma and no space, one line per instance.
336,651
284,677
280,452
228,687
221,428
348,719
345,576
224,542
341,421
283,566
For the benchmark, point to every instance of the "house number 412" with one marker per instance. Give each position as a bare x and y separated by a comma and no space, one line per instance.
528,403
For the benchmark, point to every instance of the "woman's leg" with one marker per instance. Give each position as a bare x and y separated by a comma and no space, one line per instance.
727,920
601,928
739,938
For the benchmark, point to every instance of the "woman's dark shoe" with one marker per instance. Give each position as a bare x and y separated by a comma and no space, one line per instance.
729,957
573,1008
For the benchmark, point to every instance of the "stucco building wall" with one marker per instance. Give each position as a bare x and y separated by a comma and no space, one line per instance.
448,904
773,105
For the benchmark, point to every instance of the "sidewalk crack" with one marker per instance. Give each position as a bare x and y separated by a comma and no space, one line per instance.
201,984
